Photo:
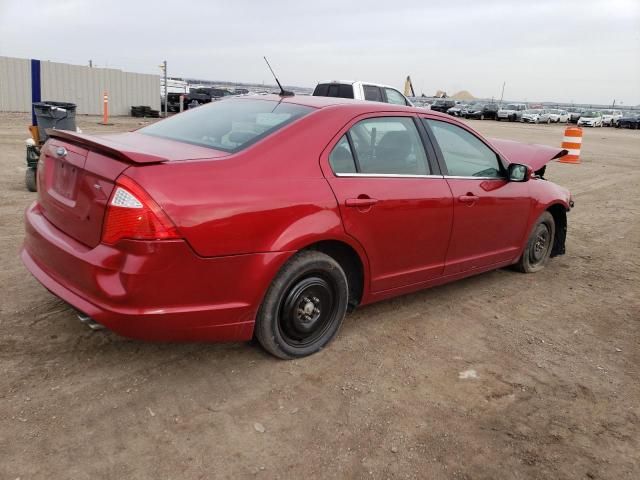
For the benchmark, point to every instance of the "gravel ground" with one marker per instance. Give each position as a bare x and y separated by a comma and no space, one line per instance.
502,375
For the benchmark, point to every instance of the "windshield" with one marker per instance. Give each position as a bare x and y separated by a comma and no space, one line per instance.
228,125
510,107
554,111
591,114
532,112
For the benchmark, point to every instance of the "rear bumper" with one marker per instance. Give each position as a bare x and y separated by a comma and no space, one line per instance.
159,290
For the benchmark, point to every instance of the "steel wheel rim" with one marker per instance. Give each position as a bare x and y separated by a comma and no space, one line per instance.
307,311
541,244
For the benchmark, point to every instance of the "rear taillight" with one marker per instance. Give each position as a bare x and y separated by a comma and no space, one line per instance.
132,213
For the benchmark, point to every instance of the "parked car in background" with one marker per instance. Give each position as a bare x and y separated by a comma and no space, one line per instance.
204,229
629,120
456,110
443,104
574,114
557,115
361,91
610,117
475,110
511,112
420,102
590,118
490,111
535,115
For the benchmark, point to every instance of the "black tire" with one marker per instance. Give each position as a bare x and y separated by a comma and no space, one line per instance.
539,245
30,179
304,307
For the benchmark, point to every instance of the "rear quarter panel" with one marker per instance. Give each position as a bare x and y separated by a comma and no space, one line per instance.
270,197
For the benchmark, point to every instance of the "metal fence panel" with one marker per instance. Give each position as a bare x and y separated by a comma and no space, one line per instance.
78,84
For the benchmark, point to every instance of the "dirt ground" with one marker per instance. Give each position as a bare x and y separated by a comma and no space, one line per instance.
500,376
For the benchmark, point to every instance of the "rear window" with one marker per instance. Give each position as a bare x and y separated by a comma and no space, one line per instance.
340,90
228,125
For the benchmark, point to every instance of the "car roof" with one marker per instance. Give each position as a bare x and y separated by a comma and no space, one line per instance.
358,106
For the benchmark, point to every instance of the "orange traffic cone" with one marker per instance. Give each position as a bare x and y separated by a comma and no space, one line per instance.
571,142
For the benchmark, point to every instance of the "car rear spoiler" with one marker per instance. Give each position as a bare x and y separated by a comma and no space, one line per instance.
105,146
535,156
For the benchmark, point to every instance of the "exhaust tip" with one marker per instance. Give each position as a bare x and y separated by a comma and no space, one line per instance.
90,322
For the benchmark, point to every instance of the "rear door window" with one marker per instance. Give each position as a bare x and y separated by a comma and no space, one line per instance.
388,145
395,97
341,158
372,93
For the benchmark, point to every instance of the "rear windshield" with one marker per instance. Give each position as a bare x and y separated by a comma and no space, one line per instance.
340,90
228,125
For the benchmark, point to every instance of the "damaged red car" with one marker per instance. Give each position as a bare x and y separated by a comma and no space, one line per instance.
271,217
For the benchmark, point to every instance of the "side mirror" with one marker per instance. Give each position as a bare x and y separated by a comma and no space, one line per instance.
519,173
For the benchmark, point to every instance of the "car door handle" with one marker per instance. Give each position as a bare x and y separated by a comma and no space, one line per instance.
468,198
360,202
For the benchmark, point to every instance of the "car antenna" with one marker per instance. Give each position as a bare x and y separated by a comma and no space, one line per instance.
283,92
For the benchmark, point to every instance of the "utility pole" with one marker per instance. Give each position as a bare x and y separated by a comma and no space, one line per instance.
90,63
166,87
502,94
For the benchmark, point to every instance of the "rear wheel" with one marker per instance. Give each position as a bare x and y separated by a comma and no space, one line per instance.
538,249
30,179
304,306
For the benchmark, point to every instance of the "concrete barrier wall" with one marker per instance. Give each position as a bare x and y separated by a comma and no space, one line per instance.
81,85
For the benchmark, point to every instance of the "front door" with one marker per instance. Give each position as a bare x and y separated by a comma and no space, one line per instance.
390,201
490,213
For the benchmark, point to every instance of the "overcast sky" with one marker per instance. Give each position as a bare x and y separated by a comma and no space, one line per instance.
564,50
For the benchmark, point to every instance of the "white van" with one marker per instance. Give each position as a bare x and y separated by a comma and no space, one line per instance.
361,91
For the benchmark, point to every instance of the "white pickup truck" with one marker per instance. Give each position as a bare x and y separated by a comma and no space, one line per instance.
511,112
361,91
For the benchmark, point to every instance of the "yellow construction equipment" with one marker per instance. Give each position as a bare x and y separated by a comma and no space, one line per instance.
408,88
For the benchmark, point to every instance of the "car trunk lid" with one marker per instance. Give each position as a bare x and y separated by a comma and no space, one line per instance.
74,186
77,175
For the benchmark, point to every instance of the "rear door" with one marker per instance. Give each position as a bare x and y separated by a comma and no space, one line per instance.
392,199
490,213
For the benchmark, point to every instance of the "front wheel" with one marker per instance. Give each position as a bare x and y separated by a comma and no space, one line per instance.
539,245
304,306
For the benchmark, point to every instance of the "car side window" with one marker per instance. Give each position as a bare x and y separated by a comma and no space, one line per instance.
389,145
341,157
372,93
395,97
464,154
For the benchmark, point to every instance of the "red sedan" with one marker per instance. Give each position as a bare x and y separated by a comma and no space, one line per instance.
271,217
